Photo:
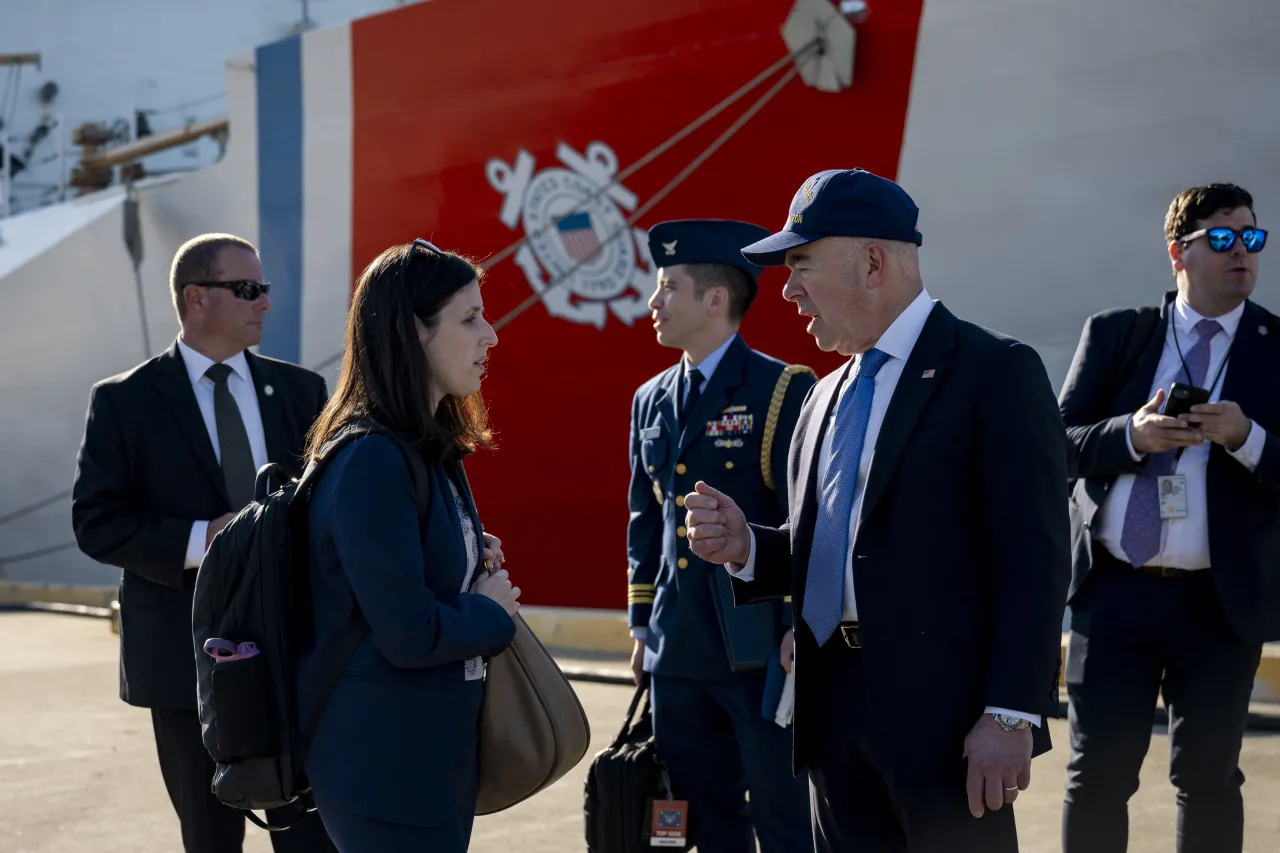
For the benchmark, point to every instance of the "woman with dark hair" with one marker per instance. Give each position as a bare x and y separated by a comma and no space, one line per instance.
393,762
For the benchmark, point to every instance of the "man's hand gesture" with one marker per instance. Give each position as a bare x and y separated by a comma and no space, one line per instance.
717,529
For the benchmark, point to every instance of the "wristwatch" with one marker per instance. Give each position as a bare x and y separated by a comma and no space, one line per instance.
1011,723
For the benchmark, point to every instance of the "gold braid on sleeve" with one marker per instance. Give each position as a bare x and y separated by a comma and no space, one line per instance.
640,593
771,419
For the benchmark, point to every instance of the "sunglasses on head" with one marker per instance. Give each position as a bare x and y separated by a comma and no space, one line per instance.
408,257
1222,239
247,290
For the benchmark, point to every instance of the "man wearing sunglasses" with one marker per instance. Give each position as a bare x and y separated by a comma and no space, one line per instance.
170,453
1175,525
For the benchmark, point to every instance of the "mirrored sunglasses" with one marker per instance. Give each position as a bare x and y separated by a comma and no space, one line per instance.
1222,239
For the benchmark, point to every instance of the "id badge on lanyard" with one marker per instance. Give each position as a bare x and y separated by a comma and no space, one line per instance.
1172,491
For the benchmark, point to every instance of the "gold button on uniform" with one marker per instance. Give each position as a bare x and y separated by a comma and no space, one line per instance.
680,468
650,469
679,500
682,563
728,464
682,530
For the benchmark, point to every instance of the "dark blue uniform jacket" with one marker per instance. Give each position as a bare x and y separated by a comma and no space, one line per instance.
737,438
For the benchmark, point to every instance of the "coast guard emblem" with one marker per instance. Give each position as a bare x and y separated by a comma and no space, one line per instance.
580,255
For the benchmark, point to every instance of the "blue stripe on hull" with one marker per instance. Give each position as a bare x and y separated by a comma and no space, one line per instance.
280,193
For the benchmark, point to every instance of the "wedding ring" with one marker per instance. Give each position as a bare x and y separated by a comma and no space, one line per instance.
1014,788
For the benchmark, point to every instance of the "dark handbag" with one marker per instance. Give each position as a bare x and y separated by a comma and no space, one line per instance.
624,779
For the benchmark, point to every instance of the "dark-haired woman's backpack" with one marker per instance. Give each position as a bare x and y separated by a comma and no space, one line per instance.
626,778
250,619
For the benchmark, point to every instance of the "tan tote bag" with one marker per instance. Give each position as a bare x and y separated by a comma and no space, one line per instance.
532,727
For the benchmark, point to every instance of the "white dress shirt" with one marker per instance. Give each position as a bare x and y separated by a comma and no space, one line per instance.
706,367
1184,542
897,342
240,384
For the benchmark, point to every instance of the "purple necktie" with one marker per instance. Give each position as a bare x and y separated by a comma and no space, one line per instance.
1140,538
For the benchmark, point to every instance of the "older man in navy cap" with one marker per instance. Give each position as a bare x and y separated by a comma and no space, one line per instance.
724,412
926,547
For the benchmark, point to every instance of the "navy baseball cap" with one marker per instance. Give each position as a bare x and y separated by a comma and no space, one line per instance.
840,203
705,241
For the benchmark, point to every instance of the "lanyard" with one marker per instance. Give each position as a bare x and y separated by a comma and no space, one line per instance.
1186,371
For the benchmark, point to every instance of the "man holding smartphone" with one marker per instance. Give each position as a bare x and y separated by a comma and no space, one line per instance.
1175,434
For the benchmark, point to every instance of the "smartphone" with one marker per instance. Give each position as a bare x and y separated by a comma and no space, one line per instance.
1182,398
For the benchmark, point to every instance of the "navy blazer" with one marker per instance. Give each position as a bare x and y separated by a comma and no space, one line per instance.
397,740
736,439
962,559
1244,506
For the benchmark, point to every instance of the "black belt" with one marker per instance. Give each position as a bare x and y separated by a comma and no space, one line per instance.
1166,572
851,634
1103,557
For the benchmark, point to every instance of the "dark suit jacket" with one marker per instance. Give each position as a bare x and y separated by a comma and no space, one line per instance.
694,631
397,740
146,470
1244,507
962,560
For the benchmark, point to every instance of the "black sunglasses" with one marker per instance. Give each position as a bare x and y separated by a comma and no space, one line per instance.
1222,239
408,257
247,290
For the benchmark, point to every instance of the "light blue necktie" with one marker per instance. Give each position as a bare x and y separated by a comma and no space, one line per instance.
1140,535
824,587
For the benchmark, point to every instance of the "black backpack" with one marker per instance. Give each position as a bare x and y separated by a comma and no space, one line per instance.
622,783
254,587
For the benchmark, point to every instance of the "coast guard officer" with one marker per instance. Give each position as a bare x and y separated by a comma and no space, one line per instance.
724,411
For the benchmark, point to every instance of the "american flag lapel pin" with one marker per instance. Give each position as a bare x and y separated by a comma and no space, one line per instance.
928,374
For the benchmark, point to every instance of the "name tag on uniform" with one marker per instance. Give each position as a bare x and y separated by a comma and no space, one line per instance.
1172,492
650,433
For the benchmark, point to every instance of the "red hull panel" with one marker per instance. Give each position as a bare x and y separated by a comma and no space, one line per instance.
441,88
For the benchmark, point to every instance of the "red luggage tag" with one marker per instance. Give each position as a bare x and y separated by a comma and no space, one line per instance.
670,823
